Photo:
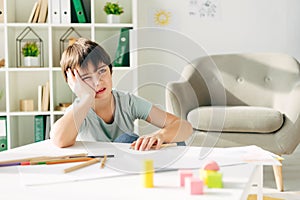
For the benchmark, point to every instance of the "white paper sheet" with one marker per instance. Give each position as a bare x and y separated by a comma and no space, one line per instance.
128,161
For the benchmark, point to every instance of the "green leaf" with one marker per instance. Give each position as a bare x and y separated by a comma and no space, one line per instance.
113,8
30,49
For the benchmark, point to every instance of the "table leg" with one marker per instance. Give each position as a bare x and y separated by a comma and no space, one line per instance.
260,182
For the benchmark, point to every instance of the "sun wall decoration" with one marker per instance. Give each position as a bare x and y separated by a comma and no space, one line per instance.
162,17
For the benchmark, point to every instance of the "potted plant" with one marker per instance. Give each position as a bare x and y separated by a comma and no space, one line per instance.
113,11
31,51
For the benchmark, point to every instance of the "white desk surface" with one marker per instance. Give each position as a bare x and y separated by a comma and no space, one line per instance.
237,179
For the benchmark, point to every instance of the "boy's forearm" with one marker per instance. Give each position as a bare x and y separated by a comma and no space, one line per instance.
65,130
178,131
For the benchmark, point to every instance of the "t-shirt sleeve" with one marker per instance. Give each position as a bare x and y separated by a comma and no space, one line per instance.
140,107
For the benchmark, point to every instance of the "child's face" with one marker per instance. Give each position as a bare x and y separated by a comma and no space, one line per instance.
99,78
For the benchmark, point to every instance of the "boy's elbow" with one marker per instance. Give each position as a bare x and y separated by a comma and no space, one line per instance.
60,142
189,128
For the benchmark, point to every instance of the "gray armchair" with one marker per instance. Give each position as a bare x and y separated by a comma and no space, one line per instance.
241,99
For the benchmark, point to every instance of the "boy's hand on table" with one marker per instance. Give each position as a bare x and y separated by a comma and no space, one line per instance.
148,142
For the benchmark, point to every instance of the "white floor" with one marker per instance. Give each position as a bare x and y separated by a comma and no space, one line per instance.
291,176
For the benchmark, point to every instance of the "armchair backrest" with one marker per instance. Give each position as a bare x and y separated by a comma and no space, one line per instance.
258,79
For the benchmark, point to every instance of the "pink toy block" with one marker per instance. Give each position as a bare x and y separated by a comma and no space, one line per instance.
194,186
184,174
211,165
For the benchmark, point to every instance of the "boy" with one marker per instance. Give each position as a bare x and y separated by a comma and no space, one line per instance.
100,113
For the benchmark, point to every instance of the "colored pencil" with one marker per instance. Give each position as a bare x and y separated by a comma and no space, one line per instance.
51,159
37,158
165,145
103,161
21,160
102,156
161,146
60,161
82,165
10,164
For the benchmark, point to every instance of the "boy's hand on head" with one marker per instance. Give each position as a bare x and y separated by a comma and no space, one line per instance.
78,86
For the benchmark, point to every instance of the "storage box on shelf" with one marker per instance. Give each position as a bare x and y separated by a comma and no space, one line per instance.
22,83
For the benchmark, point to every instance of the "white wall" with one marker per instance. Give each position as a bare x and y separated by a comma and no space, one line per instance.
243,26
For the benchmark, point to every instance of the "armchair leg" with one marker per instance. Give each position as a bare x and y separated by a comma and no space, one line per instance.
278,177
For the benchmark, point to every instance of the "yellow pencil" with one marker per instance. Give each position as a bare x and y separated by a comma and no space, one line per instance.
82,165
103,161
59,157
165,145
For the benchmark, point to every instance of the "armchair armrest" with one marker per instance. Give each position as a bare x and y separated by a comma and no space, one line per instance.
289,103
180,98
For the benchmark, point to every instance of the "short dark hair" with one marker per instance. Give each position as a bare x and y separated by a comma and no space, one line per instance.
81,53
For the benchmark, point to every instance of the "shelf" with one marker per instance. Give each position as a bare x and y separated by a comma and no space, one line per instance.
33,113
23,25
76,25
20,83
120,25
28,69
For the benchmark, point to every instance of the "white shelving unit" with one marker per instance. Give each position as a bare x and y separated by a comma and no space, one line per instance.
22,83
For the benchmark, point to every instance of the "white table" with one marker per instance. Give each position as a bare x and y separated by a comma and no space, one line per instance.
237,180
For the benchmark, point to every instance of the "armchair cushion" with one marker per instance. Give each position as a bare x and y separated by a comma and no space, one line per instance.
246,119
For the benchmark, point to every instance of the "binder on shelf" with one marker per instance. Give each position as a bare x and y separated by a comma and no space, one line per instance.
78,7
1,11
73,14
65,11
55,11
87,10
39,129
43,11
3,133
47,127
122,53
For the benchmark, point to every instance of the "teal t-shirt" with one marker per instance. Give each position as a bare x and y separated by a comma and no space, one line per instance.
128,108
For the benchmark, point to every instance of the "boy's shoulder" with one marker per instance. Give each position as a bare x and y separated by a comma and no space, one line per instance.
122,96
120,93
125,97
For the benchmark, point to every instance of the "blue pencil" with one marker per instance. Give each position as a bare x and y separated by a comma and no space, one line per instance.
10,164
